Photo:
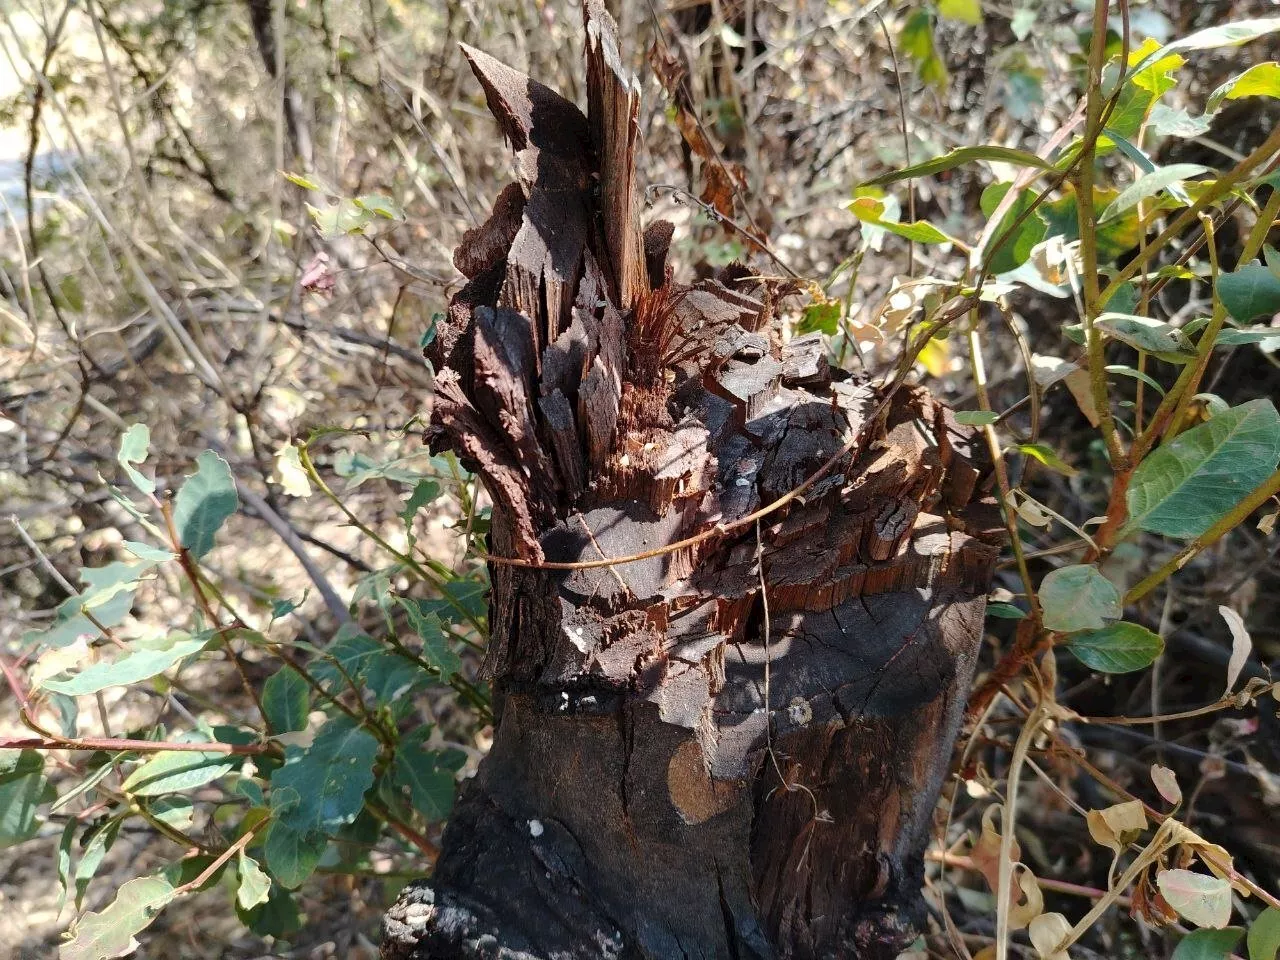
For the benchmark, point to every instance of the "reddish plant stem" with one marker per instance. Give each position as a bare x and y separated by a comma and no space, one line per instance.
137,746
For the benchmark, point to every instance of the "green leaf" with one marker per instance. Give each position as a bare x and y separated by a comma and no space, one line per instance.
1207,944
1123,370
1167,121
1023,94
286,700
134,445
1149,185
916,41
253,886
64,860
1114,238
69,294
976,418
1005,611
1186,485
436,648
293,854
108,597
1143,333
205,501
376,669
340,218
1078,597
110,932
381,206
871,210
1116,648
1234,337
966,11
429,776
1131,150
96,842
1260,80
824,317
423,493
1198,897
1045,454
137,665
1264,935
358,468
1015,251
144,551
349,653
308,182
105,583
959,157
1154,67
314,793
176,771
177,812
1226,35
1249,292
278,917
23,788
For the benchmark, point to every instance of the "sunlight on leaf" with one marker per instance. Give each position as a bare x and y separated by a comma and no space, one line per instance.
1116,648
1198,897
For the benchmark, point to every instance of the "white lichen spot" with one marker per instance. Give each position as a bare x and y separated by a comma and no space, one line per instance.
799,711
578,638
536,828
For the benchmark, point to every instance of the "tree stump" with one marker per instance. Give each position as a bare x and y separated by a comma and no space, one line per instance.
731,749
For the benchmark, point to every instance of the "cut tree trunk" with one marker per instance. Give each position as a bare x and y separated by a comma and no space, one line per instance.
732,747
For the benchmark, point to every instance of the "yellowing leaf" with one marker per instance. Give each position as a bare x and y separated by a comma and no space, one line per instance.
871,210
935,357
1198,897
292,475
1260,80
966,11
1045,454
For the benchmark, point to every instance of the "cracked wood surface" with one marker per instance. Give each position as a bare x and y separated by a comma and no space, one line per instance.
685,764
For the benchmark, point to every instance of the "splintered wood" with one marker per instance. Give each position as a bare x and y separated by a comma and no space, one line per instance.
612,410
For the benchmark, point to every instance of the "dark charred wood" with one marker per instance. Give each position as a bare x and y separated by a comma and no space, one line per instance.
731,749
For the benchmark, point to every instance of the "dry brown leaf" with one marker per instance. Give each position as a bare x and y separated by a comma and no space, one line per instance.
1241,646
1117,826
1031,903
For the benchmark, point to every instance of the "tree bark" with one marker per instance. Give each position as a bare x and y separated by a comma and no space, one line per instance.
731,749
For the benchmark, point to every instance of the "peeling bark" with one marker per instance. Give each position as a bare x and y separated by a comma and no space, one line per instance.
733,749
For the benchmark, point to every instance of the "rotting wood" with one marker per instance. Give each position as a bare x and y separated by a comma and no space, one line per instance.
686,764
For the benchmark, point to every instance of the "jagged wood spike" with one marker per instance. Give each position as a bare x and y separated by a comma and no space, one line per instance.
613,108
